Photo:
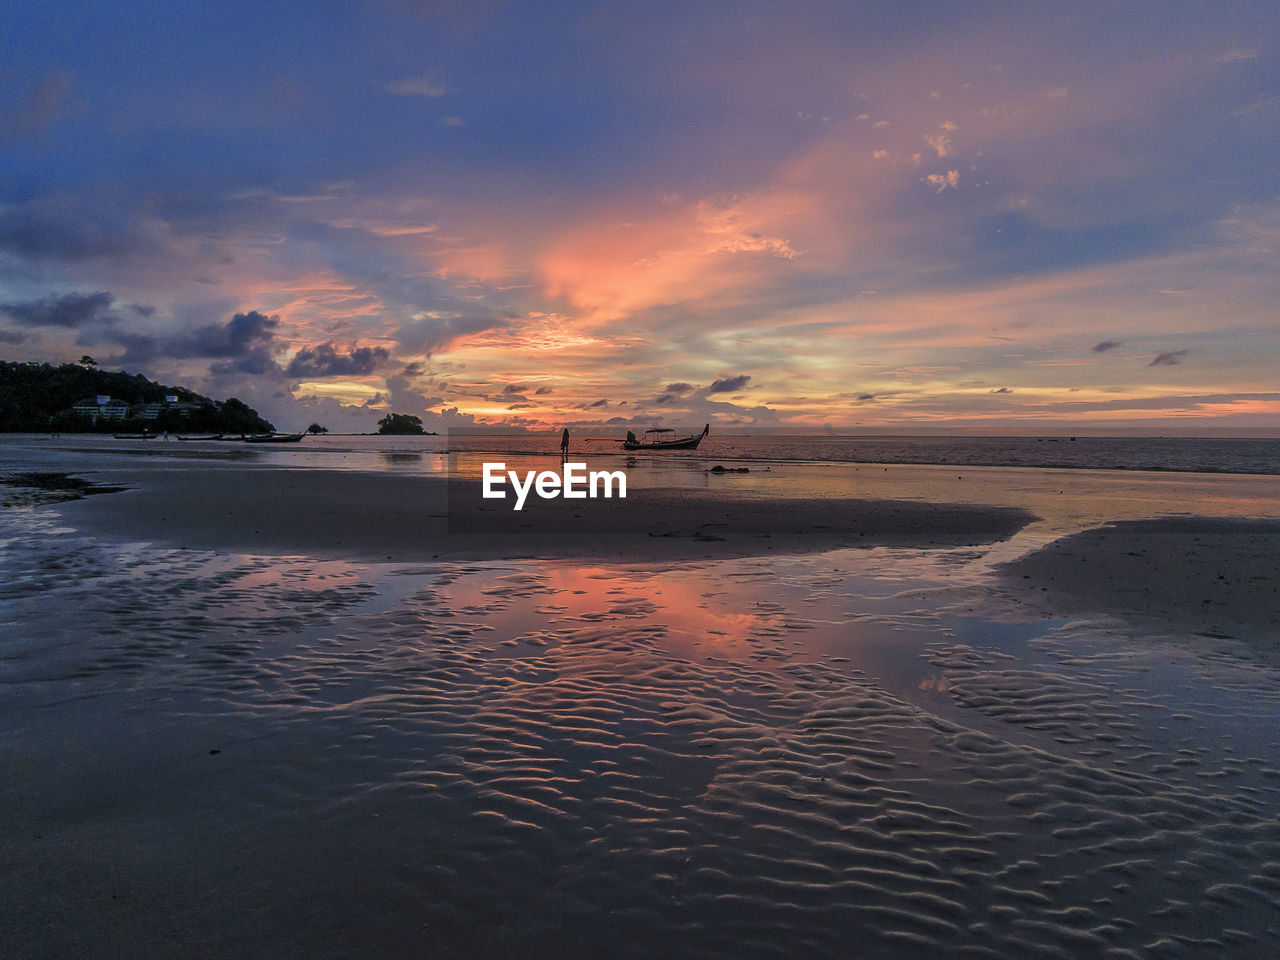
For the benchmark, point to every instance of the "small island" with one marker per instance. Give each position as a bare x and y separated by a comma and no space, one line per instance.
402,424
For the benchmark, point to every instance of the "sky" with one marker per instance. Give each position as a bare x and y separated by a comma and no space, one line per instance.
871,217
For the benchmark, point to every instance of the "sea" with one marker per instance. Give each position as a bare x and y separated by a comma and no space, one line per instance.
1181,454
429,454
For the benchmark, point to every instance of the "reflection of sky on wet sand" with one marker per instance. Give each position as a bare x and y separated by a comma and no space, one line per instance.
731,755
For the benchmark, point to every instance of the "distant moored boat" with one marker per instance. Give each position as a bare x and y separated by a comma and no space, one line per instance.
653,440
275,438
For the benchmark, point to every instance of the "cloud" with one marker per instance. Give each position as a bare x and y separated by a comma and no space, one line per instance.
1170,358
679,389
244,344
68,310
863,398
543,391
598,403
423,86
1001,390
44,105
240,335
940,181
325,361
60,227
515,388
431,332
257,361
1106,345
729,384
731,227
941,143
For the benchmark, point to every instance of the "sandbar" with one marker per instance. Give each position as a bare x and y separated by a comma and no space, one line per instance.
1209,576
361,516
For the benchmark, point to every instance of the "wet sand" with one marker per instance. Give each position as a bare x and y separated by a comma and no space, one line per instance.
1195,576
361,516
224,746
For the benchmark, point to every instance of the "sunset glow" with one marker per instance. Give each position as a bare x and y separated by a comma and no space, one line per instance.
923,218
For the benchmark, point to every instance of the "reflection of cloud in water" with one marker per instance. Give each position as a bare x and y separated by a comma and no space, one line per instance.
689,612
730,756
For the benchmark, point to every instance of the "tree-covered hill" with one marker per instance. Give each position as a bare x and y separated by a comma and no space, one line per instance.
36,397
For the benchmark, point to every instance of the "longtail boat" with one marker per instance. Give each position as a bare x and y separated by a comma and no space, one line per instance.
274,438
654,441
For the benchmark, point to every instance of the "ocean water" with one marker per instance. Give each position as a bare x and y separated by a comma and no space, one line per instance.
464,452
1194,455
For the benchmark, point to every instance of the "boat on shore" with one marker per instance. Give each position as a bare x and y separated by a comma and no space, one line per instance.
134,436
275,438
211,436
654,440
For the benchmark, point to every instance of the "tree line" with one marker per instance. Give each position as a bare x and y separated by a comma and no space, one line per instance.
37,397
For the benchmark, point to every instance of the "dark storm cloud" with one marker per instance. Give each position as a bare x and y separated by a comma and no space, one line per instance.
729,384
679,389
1170,358
68,310
238,337
325,361
665,399
1105,345
243,344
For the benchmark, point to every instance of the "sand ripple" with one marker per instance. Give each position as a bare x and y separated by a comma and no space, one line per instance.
299,758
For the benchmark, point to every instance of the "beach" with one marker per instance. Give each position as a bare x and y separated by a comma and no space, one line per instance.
899,711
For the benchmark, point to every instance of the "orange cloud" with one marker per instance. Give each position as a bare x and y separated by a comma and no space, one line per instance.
611,267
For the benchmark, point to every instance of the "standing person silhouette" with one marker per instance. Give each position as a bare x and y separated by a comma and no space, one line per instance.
564,442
